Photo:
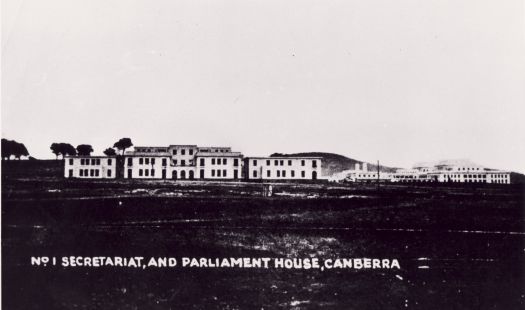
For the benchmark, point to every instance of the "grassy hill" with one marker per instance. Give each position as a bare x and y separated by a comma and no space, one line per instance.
334,163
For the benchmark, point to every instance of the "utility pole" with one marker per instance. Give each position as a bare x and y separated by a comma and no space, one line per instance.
378,175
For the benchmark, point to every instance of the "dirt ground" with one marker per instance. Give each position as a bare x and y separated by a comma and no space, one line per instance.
458,247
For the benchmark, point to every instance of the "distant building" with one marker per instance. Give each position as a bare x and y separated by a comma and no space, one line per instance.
90,167
453,171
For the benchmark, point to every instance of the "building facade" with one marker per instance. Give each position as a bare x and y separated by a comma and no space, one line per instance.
282,168
192,162
90,167
450,171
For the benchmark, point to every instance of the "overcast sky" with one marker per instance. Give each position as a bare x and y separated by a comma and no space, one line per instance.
399,81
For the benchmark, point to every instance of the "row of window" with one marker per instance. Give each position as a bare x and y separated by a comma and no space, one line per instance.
467,169
219,173
279,174
146,172
182,152
182,162
148,161
366,175
87,161
220,161
280,162
148,150
214,150
92,172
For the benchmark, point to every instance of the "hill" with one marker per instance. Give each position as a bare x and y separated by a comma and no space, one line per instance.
335,163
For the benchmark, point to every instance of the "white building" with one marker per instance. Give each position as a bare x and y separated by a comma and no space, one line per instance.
90,167
453,171
183,162
146,165
361,174
282,168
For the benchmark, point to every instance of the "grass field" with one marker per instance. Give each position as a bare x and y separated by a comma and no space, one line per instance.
458,247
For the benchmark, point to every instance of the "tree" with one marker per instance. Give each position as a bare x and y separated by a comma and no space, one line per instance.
123,144
6,149
63,149
20,150
55,148
13,148
84,149
110,152
67,149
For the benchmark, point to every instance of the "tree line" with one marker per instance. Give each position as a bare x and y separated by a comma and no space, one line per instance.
11,148
66,149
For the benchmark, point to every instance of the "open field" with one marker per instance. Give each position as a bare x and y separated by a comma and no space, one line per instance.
458,247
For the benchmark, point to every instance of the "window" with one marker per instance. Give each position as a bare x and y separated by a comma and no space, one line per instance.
109,173
93,161
268,173
174,152
254,173
141,161
82,161
224,174
140,172
255,162
164,161
202,161
268,162
81,172
303,174
213,161
92,172
236,162
109,161
71,161
98,161
281,162
278,173
289,162
191,151
183,163
218,173
183,152
224,161
314,163
284,173
276,162
146,172
153,161
152,172
96,172
86,172
146,161
293,173
212,172
303,162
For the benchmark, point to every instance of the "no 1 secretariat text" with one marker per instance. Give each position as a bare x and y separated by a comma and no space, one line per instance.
229,262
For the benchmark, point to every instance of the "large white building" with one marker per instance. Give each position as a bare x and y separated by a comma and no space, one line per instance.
191,162
183,162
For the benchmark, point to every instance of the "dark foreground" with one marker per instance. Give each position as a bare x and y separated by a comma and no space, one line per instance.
459,248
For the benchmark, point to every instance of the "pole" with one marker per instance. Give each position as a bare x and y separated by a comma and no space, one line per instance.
378,175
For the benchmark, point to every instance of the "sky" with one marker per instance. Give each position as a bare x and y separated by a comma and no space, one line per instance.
397,81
